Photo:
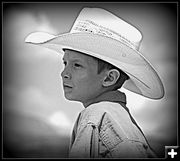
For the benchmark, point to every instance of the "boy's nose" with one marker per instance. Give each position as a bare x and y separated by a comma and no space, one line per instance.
65,75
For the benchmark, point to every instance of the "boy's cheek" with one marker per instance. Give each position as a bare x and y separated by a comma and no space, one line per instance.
82,75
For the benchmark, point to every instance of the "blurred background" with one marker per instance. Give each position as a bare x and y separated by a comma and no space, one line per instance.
37,119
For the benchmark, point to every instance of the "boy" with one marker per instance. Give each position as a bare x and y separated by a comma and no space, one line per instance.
100,56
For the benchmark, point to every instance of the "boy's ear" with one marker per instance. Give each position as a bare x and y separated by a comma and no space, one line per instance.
111,77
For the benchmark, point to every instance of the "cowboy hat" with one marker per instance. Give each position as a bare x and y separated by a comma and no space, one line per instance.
99,33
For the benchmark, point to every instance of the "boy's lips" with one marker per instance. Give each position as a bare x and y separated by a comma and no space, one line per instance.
67,85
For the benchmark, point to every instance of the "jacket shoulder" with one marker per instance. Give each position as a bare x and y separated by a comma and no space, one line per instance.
96,113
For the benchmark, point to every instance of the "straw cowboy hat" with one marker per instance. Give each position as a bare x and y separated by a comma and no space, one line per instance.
101,34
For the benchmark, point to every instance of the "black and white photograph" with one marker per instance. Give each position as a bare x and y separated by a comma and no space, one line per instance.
90,80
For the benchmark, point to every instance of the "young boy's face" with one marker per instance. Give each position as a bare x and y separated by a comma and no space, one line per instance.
80,79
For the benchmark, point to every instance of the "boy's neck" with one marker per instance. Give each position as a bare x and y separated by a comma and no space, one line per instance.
112,96
93,100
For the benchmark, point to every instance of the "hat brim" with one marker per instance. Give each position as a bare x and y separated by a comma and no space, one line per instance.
144,80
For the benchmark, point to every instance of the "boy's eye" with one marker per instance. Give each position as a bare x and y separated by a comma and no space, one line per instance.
77,65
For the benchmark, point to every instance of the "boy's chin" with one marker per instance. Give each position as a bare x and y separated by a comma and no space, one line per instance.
71,98
68,97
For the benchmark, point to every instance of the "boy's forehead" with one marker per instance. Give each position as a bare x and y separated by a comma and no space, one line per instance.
72,54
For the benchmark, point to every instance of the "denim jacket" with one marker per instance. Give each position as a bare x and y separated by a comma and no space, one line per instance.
106,129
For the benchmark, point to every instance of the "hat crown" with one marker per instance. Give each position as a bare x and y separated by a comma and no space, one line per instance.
102,22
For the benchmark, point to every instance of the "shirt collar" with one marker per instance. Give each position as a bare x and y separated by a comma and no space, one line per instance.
112,96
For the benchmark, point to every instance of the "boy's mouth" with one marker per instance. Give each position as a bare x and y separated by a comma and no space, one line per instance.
67,86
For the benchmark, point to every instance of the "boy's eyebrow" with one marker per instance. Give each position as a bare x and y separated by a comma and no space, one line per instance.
73,60
77,60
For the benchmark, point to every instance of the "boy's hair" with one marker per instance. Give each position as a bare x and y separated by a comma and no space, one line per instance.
102,65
